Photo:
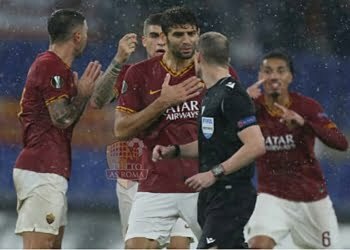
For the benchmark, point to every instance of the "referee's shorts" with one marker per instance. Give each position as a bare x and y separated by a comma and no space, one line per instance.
223,211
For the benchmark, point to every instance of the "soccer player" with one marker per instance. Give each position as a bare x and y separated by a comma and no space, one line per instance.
293,197
160,112
53,100
228,142
154,43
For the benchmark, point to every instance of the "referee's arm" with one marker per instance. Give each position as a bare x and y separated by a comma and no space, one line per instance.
253,147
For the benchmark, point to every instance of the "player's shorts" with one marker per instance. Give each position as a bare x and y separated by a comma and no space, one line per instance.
223,211
310,224
182,229
153,215
41,201
126,191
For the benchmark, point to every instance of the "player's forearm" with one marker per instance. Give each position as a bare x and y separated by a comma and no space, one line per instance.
244,156
329,135
104,93
127,126
64,114
189,150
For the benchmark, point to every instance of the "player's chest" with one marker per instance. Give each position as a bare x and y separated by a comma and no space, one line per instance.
153,87
277,134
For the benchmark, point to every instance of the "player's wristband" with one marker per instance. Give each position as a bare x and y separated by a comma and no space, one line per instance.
177,150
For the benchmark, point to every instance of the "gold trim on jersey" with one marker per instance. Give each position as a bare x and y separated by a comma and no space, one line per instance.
331,125
47,102
274,111
124,109
181,72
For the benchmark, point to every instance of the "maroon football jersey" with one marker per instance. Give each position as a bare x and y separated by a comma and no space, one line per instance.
289,169
127,164
119,82
177,125
46,148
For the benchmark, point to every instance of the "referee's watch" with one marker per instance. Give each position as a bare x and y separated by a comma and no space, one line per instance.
218,171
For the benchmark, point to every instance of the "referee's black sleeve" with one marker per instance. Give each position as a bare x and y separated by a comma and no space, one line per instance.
238,109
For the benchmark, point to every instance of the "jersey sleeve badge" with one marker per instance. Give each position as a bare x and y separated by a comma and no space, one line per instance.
247,121
208,127
57,82
124,87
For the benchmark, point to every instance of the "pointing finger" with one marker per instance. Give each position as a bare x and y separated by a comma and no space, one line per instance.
284,109
166,79
258,83
75,77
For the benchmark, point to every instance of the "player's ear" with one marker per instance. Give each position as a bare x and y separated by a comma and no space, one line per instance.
143,39
77,36
198,57
290,78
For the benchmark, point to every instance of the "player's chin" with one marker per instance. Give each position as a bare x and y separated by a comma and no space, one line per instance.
79,53
275,94
186,55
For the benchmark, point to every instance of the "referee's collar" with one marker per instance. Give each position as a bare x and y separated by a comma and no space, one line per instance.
222,80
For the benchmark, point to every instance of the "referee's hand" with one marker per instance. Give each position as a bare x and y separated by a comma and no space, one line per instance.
201,180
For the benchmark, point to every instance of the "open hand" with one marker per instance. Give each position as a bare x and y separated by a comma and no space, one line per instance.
175,94
86,83
201,180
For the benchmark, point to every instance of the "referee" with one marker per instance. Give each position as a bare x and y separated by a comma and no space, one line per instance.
229,140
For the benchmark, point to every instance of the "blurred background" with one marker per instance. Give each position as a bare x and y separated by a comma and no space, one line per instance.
315,32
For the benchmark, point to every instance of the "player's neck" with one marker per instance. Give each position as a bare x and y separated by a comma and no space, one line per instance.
211,75
63,51
283,100
174,63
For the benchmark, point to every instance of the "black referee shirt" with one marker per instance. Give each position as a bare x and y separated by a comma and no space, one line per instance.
226,110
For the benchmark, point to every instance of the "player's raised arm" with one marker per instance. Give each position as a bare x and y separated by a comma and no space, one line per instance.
103,92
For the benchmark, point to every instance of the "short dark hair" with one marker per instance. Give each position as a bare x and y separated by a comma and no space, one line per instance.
153,19
61,24
177,16
279,54
215,48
